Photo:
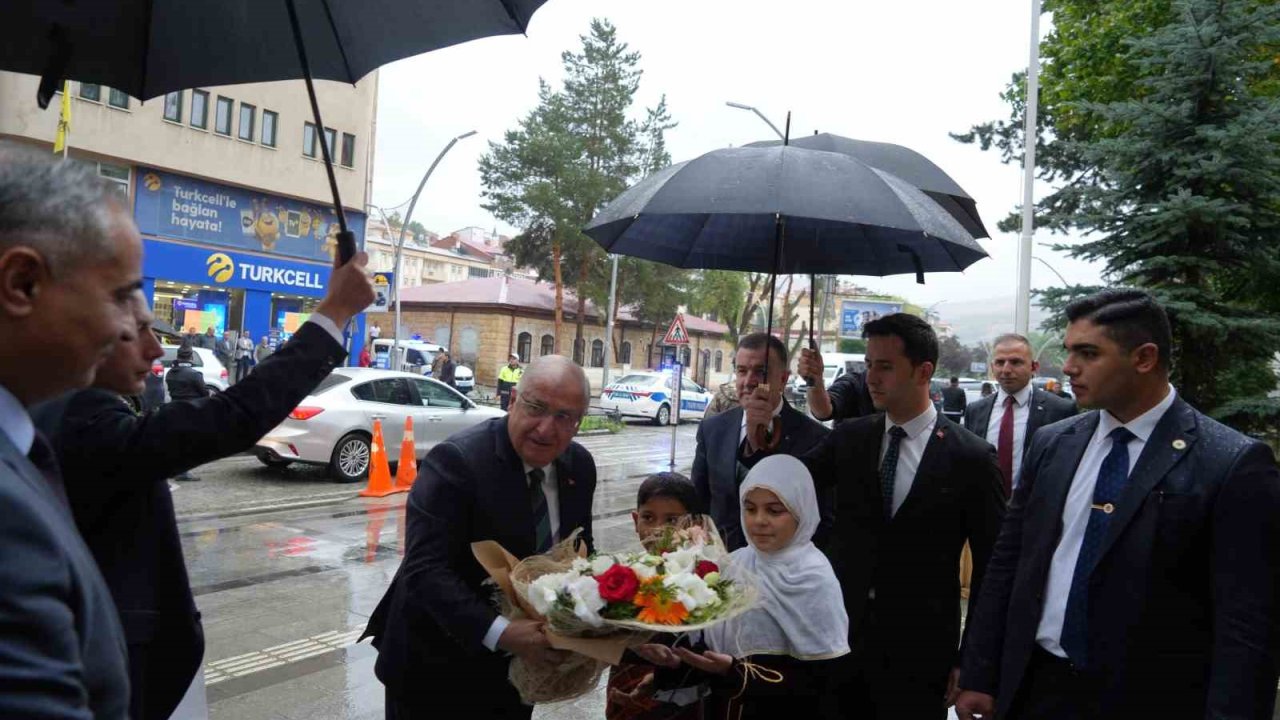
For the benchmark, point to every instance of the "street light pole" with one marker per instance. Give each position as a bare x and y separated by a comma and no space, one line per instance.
395,345
1052,269
740,106
1022,303
608,331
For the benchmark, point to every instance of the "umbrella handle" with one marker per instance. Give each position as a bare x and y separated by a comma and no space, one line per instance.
768,438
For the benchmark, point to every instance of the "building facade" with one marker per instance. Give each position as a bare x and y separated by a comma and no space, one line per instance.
227,187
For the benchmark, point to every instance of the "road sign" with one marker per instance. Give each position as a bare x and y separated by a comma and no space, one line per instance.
676,334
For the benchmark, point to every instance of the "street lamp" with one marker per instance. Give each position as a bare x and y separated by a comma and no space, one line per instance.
775,129
1022,302
408,217
1051,269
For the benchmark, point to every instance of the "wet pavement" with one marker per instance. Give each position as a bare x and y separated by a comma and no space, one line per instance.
286,567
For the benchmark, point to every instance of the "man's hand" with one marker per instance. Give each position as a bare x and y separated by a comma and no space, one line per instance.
656,654
810,365
758,409
350,291
953,687
708,662
525,639
972,705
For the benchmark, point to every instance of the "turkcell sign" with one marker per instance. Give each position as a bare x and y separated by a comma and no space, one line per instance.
218,268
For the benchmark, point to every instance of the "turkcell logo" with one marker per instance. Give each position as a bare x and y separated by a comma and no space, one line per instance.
222,269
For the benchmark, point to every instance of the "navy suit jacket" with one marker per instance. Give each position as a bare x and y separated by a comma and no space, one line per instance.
715,470
1183,601
1046,409
62,652
430,624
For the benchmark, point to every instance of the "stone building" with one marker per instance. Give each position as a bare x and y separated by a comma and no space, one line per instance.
483,320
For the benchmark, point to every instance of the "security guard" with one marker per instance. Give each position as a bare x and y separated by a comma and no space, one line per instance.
507,379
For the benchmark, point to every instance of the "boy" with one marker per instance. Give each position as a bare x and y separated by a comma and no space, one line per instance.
662,499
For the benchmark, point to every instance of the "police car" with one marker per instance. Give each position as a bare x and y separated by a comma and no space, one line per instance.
650,395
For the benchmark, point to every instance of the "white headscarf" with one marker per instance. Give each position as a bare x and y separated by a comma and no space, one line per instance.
801,610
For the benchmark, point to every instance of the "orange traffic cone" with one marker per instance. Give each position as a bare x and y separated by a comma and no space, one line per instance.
379,470
407,471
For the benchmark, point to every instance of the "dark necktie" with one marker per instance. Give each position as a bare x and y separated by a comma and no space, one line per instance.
41,455
1004,446
1112,477
889,468
541,517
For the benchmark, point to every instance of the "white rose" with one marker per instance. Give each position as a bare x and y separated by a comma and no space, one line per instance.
587,602
581,565
691,590
544,590
601,563
680,561
643,570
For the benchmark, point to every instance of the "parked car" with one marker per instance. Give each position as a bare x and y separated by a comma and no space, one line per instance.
333,425
650,395
418,356
203,359
834,365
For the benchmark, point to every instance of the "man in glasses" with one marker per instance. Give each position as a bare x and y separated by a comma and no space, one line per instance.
519,480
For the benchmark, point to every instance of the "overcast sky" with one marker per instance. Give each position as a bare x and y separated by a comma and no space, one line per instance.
905,72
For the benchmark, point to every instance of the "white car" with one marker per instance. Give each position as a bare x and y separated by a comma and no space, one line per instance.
649,395
418,357
203,359
333,425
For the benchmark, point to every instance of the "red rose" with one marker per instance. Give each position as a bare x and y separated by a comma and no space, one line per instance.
705,568
618,584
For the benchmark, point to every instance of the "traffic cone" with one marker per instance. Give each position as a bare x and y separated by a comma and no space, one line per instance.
379,470
407,471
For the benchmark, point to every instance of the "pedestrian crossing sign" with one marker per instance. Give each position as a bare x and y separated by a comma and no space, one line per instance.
676,334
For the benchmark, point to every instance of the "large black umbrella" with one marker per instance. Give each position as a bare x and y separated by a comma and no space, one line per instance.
147,48
905,163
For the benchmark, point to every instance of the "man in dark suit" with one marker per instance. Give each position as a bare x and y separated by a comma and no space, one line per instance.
1136,572
70,261
717,473
912,488
954,401
519,480
1023,409
115,461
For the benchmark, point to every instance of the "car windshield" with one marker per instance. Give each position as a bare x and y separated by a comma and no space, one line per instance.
642,380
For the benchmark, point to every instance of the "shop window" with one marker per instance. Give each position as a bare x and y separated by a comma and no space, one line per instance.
91,92
524,346
118,99
173,106
269,119
548,345
597,353
199,109
348,150
222,115
248,114
626,353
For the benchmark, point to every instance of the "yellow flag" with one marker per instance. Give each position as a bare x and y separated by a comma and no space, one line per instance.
64,119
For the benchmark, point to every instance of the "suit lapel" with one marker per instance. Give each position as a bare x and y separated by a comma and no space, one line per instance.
1053,479
567,496
727,447
1172,439
512,482
982,416
1035,417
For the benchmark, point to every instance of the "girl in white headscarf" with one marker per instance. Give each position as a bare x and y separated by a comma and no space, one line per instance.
776,657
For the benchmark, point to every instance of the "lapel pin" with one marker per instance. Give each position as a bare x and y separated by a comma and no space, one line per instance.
1179,444
941,434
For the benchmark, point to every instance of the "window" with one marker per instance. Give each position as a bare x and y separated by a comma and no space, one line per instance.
719,360
394,392
348,150
442,335
222,116
685,354
91,91
117,98
330,138
117,174
597,353
199,109
468,346
439,395
269,128
524,346
626,353
477,272
248,113
548,345
309,140
173,106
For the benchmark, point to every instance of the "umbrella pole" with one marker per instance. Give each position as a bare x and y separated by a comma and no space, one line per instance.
813,298
346,239
767,437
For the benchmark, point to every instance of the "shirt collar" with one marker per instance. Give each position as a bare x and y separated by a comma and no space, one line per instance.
546,469
15,423
1143,425
917,425
1020,398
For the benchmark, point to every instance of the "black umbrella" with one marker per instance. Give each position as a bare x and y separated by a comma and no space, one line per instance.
147,48
905,163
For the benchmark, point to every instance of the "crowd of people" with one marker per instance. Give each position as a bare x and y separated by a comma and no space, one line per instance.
1123,561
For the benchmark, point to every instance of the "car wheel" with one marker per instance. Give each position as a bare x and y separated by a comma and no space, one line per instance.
350,459
212,390
274,462
664,415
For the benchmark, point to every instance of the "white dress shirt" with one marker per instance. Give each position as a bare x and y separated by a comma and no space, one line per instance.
910,450
1021,414
742,431
1075,515
551,489
15,423
329,326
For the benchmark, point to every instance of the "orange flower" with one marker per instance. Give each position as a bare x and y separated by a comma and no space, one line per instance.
654,609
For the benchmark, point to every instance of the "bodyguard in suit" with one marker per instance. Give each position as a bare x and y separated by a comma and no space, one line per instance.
717,473
912,488
114,463
846,399
1022,409
70,262
519,480
1136,572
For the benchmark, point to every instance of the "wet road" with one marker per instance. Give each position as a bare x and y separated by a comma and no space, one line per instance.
286,568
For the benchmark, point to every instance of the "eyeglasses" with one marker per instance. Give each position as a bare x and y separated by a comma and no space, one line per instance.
563,419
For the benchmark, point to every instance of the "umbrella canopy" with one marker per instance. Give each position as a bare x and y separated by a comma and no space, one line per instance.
784,210
905,163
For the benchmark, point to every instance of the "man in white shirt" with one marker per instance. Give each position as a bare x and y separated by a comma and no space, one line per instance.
519,480
1136,571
